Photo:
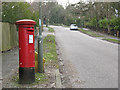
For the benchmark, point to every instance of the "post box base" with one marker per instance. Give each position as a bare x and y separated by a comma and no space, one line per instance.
26,75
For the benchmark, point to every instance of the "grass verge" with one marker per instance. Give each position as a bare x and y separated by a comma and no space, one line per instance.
49,50
90,33
51,29
39,78
112,40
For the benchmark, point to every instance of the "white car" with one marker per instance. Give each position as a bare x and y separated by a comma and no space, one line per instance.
73,27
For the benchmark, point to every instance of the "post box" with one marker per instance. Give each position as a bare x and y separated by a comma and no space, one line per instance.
26,51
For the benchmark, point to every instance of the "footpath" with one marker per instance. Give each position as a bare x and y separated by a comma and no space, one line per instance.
10,65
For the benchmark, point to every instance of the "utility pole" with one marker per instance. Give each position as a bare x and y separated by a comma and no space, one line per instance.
40,41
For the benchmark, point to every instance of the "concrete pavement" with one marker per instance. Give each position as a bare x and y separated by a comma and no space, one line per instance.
46,32
89,62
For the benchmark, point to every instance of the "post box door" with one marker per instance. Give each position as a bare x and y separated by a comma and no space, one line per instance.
30,35
26,46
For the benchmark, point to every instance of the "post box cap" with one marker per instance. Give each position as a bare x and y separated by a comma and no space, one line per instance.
26,21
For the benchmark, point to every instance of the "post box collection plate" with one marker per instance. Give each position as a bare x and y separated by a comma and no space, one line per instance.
30,38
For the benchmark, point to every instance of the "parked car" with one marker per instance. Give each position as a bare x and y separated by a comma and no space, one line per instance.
73,27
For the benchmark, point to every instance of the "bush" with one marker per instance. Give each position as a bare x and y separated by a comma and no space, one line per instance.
115,23
103,23
93,22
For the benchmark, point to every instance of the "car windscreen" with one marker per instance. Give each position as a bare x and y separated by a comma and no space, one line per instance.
73,25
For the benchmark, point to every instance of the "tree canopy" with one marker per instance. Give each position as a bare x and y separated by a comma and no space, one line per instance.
91,14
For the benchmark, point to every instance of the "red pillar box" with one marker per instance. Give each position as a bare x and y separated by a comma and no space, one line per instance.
26,51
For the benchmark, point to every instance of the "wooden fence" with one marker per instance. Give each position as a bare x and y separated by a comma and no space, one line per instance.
9,36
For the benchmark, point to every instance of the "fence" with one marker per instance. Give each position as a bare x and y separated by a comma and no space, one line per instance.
9,36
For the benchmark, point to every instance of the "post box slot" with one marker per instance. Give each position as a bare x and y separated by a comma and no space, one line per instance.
29,27
30,30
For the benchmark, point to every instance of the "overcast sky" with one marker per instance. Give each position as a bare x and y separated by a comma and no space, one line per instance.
64,2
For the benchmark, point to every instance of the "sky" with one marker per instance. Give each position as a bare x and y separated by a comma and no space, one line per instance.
62,2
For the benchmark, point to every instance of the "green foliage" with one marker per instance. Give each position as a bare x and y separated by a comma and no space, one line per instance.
103,23
35,16
92,22
49,49
51,29
115,23
69,21
90,33
57,15
79,22
112,40
95,15
13,11
39,78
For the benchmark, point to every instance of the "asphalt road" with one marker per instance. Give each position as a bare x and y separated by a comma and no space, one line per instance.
90,62
0,70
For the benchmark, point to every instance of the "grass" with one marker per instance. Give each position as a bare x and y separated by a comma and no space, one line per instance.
39,79
90,33
49,50
96,35
112,40
51,29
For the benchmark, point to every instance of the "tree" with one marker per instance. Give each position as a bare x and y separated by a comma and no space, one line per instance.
13,11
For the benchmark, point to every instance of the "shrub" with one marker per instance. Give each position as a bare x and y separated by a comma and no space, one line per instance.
103,23
115,23
92,22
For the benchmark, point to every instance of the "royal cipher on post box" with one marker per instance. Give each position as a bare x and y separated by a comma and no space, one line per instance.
26,51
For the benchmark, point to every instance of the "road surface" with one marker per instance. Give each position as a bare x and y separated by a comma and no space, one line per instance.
0,70
89,62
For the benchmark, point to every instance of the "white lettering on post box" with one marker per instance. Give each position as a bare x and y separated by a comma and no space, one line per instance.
30,38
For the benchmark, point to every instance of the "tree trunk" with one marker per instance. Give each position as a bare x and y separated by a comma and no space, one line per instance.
109,31
117,33
108,16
